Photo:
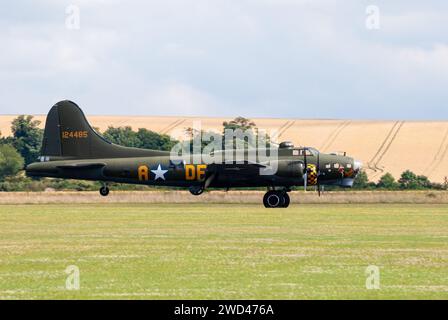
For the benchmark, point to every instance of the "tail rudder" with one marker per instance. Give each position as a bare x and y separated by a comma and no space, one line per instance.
67,132
68,135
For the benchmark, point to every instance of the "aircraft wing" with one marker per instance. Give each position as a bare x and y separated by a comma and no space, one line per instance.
235,168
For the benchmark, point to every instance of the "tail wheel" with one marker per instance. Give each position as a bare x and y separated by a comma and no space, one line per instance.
104,191
276,199
196,190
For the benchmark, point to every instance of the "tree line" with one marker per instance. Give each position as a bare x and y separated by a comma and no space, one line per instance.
407,181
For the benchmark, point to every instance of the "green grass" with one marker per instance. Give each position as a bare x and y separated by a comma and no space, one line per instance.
223,251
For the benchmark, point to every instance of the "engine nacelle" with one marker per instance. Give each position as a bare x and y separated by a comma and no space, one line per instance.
288,168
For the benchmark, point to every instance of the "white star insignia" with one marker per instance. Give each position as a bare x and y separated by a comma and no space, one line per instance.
159,173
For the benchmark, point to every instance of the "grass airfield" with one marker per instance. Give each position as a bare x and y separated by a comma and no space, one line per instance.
223,251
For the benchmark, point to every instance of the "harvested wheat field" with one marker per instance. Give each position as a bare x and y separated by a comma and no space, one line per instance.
383,146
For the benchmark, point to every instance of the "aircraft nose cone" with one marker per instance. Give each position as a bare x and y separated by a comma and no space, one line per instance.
357,165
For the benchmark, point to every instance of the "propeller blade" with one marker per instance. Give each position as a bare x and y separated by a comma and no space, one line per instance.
319,189
305,181
305,174
209,180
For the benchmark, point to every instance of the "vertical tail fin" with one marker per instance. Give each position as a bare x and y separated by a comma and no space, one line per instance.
68,135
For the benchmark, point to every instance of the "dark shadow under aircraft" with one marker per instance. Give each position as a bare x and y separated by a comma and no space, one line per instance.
72,149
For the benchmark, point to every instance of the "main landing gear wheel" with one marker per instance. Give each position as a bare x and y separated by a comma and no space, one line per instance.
276,199
287,200
196,190
104,191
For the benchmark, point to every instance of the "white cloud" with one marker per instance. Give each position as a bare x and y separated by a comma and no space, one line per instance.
268,58
175,98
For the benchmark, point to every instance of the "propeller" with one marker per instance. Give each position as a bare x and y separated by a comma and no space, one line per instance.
305,180
209,180
341,172
305,172
211,174
319,189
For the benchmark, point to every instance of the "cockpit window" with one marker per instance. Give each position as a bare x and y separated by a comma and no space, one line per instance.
308,152
302,152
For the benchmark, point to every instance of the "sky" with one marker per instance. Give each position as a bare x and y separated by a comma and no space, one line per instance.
346,59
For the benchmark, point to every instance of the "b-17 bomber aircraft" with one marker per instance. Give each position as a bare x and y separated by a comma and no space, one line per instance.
72,149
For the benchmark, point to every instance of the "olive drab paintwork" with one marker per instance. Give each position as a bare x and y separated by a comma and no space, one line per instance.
72,149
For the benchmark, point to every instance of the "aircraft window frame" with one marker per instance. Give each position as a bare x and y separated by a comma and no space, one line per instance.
309,153
313,151
302,152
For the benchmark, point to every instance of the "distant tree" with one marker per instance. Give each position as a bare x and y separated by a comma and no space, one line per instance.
250,137
239,123
10,161
410,181
143,138
387,181
27,137
423,182
437,186
361,181
197,135
6,140
152,140
249,128
123,136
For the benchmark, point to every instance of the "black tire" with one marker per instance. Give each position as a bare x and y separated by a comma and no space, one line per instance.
273,199
286,200
196,191
104,191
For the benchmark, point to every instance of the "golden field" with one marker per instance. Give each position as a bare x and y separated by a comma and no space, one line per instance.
383,146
